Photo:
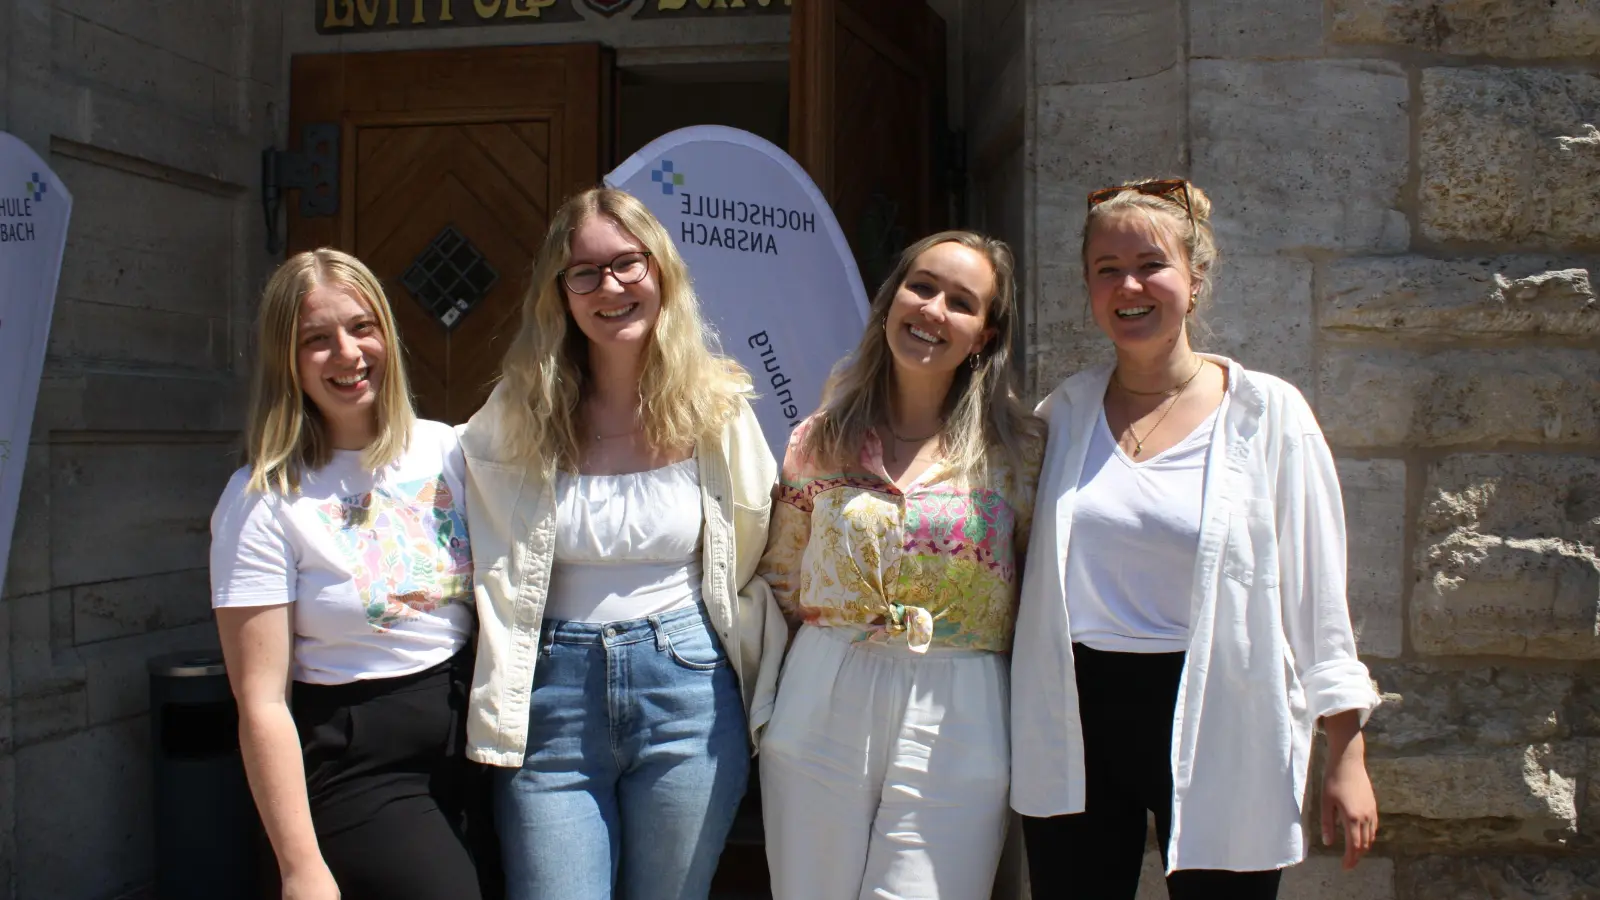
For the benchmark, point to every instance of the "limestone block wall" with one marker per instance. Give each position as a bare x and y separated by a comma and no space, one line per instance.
155,116
1408,201
995,91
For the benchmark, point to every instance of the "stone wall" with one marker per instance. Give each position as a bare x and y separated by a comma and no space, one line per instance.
995,88
155,118
1407,195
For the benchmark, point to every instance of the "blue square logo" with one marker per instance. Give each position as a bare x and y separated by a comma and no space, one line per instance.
666,177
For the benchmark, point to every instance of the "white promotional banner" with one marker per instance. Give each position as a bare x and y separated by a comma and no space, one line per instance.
34,209
771,267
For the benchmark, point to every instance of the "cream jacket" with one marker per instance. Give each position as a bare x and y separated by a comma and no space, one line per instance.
1270,647
511,517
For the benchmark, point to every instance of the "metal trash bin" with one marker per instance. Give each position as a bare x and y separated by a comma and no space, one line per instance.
207,833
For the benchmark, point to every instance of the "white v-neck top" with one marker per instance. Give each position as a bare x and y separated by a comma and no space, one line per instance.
1270,645
626,546
1135,536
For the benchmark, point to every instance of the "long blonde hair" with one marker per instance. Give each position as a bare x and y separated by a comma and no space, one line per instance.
686,390
982,411
286,435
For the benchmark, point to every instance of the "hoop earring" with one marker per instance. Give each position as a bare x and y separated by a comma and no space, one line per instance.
973,362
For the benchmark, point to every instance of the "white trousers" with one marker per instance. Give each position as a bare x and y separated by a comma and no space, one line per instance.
884,773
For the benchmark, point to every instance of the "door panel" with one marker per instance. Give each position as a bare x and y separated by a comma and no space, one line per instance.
500,204
486,142
867,104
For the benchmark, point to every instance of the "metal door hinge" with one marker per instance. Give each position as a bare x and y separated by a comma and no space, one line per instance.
313,171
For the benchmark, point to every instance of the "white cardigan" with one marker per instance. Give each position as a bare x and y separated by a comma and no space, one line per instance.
1270,647
511,514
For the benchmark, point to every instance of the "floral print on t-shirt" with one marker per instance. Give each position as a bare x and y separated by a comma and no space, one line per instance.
937,563
406,545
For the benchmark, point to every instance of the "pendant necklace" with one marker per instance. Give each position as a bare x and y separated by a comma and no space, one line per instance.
1177,394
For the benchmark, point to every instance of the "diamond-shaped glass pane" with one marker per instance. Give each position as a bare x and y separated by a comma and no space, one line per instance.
449,277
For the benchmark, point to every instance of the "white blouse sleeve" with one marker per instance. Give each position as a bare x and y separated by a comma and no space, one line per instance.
1311,554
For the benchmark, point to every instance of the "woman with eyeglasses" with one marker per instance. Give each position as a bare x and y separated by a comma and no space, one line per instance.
619,491
896,542
1183,628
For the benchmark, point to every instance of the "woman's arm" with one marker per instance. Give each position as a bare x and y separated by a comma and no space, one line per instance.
257,643
788,531
1347,798
1316,616
780,565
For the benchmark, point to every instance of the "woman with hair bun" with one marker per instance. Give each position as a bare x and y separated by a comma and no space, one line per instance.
1183,627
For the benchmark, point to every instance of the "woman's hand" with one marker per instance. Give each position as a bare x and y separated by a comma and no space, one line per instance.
1347,798
311,882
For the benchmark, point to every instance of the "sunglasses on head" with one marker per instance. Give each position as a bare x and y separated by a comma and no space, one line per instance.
1176,189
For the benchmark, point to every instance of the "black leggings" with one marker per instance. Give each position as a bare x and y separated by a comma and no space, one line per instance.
389,783
1126,702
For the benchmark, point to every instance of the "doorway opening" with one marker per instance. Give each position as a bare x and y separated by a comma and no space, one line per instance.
655,98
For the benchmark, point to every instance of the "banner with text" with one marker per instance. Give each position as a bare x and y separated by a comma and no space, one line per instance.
34,209
772,269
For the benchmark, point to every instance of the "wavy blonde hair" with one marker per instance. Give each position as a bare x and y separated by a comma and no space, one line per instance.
286,435
686,390
982,411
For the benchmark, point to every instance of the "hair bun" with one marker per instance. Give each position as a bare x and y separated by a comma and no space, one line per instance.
1199,204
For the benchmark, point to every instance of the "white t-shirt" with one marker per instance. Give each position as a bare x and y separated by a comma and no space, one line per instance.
1135,536
377,564
627,546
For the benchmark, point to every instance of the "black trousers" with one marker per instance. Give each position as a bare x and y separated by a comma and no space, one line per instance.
1126,702
390,785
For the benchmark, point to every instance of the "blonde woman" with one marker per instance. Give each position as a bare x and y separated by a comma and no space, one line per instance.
341,576
1184,626
620,491
896,547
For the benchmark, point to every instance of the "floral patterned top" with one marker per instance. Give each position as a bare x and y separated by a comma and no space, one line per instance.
939,563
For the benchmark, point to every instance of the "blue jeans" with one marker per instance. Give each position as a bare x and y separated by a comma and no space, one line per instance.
637,760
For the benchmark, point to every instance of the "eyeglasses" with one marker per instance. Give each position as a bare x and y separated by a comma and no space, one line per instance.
1176,189
626,268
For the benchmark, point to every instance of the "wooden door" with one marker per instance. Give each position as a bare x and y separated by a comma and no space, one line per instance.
450,164
867,120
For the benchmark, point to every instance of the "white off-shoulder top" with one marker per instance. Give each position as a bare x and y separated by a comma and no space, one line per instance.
626,546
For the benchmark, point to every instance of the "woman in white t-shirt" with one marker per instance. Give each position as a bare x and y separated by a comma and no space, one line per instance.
342,580
1183,626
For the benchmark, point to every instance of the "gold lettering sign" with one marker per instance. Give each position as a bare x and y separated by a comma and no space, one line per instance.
346,16
670,9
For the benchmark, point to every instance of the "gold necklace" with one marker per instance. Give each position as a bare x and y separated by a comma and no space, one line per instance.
1162,393
598,436
1138,442
612,437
